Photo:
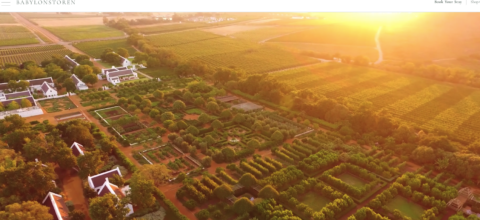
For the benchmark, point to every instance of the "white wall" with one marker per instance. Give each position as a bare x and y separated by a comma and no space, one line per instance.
27,112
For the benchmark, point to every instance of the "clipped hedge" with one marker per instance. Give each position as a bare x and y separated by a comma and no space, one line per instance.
124,160
169,205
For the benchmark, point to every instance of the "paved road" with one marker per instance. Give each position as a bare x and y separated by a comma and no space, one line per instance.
379,48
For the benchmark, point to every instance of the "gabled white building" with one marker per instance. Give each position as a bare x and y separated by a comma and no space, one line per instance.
71,61
118,75
79,83
48,91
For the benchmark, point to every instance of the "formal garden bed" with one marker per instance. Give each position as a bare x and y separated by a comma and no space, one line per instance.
57,105
406,207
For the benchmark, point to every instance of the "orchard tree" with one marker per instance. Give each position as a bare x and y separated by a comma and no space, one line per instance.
192,130
277,136
229,154
182,125
27,210
179,105
153,113
424,154
239,118
226,114
108,206
199,101
223,191
217,125
209,140
268,192
204,118
212,107
247,180
158,94
167,116
242,205
253,144
158,173
207,161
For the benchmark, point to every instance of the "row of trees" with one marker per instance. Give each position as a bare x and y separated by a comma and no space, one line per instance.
318,161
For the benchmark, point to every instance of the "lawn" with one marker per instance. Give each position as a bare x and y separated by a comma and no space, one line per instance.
407,208
195,111
135,80
84,32
57,105
351,180
314,201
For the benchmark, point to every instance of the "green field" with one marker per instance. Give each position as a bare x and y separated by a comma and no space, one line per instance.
16,35
425,103
314,201
37,54
84,32
96,48
406,207
6,18
220,51
351,180
337,34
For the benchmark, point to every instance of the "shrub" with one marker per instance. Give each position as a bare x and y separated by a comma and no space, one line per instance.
202,214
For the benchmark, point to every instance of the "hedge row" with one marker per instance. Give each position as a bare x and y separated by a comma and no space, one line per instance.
124,160
159,195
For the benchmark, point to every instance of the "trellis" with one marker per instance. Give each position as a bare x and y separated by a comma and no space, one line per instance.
463,196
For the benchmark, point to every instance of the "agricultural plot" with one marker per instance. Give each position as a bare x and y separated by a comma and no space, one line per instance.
84,32
56,105
339,34
16,35
36,54
6,18
314,201
71,116
351,180
153,29
346,50
221,51
96,48
423,102
265,33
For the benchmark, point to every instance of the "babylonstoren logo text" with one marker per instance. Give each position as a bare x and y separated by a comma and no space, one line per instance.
45,2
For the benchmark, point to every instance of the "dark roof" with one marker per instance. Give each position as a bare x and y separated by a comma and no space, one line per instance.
77,149
99,179
46,86
38,82
75,79
3,86
5,103
122,68
120,73
57,206
17,94
110,70
71,61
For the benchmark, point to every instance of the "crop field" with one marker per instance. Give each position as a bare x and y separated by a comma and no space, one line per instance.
84,32
346,50
265,33
425,103
6,18
153,29
37,54
96,48
339,34
221,51
16,35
